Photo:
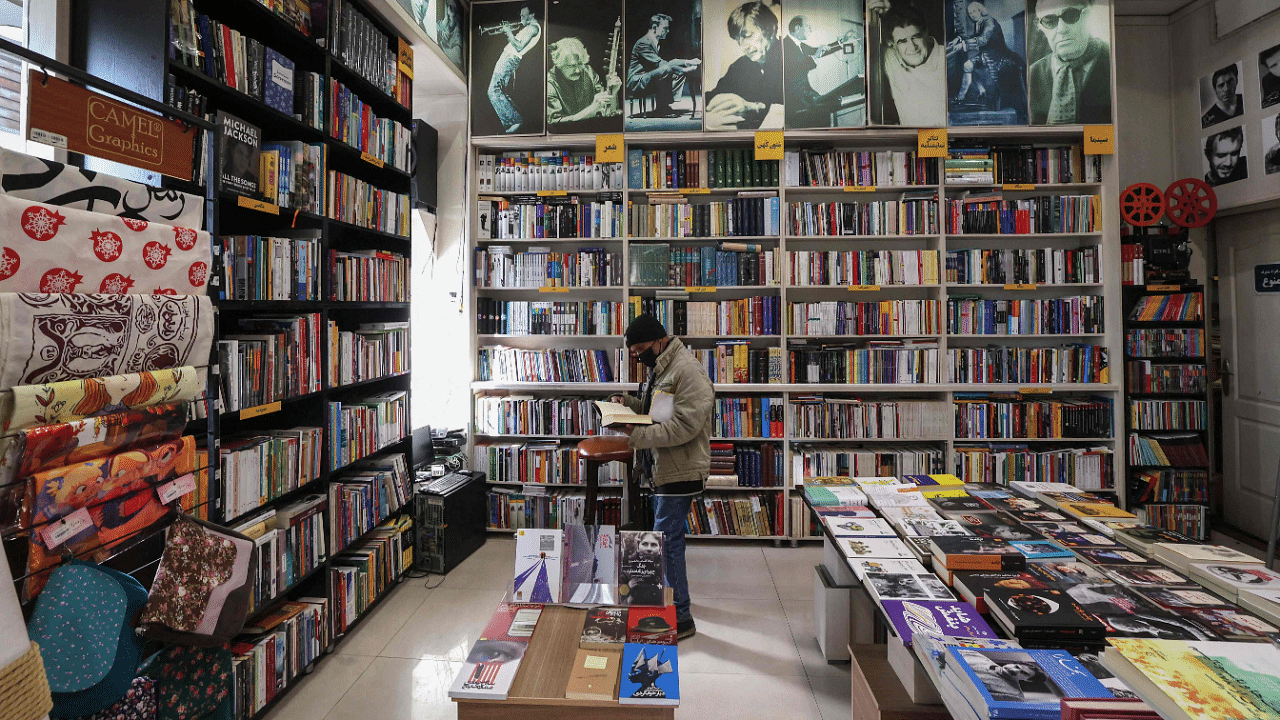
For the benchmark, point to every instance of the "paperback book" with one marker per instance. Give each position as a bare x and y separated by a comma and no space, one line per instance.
973,585
892,566
884,548
650,675
492,664
591,564
538,572
1041,549
966,504
1229,578
1110,557
1200,680
1180,557
1266,603
1143,538
1029,489
957,552
1148,576
1020,684
994,525
239,155
604,629
641,578
594,675
949,618
1231,624
1081,539
652,625
904,586
842,527
1042,615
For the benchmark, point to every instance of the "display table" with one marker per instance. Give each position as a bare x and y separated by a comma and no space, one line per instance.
539,686
876,692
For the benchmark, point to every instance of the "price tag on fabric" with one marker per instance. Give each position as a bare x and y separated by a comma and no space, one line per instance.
259,205
376,162
859,188
552,193
932,143
768,145
863,288
1099,139
1035,391
254,412
609,148
59,531
1017,186
1022,286
553,289
175,489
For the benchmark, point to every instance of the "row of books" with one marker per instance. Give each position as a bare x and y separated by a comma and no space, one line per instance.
1024,266
362,574
1168,414
529,415
369,276
714,168
746,465
365,495
838,168
1021,164
915,214
1133,264
291,544
748,417
575,317
1048,316
1173,449
371,351
830,417
748,214
734,361
187,99
364,48
500,267
510,510
1190,520
271,359
1164,342
863,267
1066,364
1088,468
560,365
540,463
660,265
993,215
755,515
982,416
360,428
357,202
1177,307
532,218
255,267
355,123
291,174
811,461
882,362
258,468
886,317
759,315
531,171
274,652
1169,486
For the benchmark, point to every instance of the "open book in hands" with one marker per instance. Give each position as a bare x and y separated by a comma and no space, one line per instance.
619,414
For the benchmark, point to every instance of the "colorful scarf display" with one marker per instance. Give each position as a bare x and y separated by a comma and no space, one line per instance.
31,451
51,249
54,183
26,406
51,338
118,492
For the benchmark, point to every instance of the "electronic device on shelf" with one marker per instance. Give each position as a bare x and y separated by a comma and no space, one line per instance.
1167,259
449,513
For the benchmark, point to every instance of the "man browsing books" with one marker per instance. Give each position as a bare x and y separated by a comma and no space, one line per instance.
675,451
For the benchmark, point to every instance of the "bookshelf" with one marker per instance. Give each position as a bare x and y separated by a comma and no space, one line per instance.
940,449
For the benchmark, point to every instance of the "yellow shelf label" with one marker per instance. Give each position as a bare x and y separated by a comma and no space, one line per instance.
697,191
552,193
859,188
260,410
863,288
700,288
371,159
609,148
1164,287
1018,186
1035,391
1022,286
553,289
931,143
1099,139
768,145
260,205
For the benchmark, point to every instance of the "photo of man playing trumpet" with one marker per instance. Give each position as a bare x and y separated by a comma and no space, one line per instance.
508,36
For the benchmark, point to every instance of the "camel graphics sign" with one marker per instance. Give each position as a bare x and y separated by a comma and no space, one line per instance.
70,117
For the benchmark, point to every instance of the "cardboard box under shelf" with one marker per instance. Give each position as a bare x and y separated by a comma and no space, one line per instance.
831,615
915,680
876,693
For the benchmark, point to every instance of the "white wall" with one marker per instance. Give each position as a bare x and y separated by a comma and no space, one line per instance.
1144,126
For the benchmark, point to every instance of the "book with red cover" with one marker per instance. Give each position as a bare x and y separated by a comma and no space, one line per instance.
1106,709
652,625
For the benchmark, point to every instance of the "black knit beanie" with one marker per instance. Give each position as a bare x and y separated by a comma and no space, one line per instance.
643,329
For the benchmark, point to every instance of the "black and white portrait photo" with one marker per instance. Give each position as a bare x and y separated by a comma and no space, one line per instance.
1069,48
641,569
743,65
423,13
451,21
825,64
1269,76
1011,676
585,47
1225,157
987,62
897,586
663,52
1220,98
507,71
906,63
1271,141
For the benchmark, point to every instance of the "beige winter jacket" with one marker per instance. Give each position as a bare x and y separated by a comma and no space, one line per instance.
681,445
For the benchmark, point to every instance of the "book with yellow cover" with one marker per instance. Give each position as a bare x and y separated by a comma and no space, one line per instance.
1201,680
1092,510
594,675
947,480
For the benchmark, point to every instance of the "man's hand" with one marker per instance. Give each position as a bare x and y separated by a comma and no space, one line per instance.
620,399
626,429
878,6
726,110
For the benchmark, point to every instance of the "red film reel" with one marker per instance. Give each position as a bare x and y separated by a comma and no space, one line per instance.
1142,204
1190,202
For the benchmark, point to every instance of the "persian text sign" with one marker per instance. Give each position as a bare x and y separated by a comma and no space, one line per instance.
80,120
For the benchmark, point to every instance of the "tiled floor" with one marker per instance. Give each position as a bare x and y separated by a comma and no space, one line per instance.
754,655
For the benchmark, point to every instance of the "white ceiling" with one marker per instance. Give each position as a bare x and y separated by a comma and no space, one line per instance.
1150,7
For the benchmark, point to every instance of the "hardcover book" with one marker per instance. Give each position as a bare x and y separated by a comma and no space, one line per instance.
538,574
973,585
903,586
641,579
604,629
967,552
949,618
650,675
1042,615
652,625
239,155
278,83
594,675
1020,684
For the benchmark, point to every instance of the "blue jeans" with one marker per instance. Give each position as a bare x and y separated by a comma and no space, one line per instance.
670,513
503,73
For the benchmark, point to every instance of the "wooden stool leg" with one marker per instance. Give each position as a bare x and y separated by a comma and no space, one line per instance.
592,469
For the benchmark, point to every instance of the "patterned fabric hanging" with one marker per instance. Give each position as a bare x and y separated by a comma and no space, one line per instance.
54,183
50,338
26,406
45,248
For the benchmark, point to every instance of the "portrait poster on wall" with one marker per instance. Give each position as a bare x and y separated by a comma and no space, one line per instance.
1069,48
584,66
1269,76
1271,142
1220,98
451,24
508,72
743,65
906,63
1226,159
663,61
423,13
987,62
824,62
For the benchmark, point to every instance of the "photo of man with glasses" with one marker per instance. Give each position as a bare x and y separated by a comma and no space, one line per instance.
1070,75
751,87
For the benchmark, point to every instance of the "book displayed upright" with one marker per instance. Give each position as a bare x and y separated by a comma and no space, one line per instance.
641,568
241,144
538,574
